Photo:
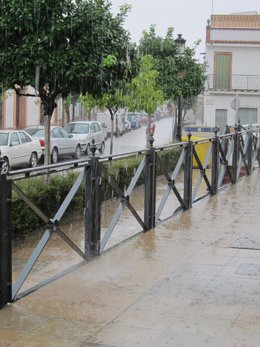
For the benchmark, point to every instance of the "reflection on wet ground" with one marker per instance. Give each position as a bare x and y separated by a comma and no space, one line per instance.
57,256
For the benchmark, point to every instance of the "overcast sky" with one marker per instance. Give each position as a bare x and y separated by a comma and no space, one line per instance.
188,17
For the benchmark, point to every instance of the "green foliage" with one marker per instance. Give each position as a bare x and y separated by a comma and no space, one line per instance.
88,101
66,42
144,92
180,76
48,197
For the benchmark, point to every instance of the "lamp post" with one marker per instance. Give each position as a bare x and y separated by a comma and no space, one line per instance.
180,44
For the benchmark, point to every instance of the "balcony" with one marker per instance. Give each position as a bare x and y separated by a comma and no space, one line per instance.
244,83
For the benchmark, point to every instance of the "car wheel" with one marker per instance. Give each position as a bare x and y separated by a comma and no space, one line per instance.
33,160
54,156
77,153
5,166
102,148
87,151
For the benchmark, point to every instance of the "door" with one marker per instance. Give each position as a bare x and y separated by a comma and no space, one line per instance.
222,71
68,143
221,119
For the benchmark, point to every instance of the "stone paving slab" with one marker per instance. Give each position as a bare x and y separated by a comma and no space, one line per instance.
179,285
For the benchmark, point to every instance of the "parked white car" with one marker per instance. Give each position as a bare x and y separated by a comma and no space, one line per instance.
18,149
62,143
85,132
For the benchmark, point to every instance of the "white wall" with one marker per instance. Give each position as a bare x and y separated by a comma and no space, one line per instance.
9,109
245,59
213,102
234,35
33,109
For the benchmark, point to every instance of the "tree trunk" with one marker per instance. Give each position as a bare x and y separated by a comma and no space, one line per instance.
112,133
148,130
47,147
1,114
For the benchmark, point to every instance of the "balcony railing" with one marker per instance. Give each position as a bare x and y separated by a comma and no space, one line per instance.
233,83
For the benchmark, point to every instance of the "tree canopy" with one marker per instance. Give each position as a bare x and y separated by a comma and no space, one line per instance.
180,75
144,93
59,46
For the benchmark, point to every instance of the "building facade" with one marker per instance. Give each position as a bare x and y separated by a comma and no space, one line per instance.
233,70
18,111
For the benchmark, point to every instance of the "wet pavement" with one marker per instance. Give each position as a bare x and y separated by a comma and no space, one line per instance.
192,281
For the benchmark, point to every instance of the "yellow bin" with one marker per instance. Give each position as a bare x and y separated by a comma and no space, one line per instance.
201,149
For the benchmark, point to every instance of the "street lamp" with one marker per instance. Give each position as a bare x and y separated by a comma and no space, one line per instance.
180,44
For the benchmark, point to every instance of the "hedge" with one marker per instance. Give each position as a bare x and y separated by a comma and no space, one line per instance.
49,196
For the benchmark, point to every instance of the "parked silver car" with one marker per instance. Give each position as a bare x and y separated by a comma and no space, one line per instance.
86,131
62,143
18,149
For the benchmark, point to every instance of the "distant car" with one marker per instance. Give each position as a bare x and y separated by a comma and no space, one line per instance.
86,131
127,125
62,143
135,120
18,149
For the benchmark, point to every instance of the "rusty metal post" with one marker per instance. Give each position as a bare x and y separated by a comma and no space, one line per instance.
215,162
150,187
5,241
187,198
93,206
235,156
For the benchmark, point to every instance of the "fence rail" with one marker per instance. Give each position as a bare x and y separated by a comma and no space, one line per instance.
228,157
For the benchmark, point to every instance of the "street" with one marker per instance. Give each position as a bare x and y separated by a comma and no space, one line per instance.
136,139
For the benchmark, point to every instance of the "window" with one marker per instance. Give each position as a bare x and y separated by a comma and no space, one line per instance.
24,138
14,138
92,128
56,133
97,127
64,133
3,139
247,115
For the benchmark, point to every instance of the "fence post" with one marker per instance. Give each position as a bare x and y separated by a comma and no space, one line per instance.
188,173
250,152
92,206
215,163
235,155
150,186
5,241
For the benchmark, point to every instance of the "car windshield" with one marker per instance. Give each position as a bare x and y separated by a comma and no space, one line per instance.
35,132
3,139
77,128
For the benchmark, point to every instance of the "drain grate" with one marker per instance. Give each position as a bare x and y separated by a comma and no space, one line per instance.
246,243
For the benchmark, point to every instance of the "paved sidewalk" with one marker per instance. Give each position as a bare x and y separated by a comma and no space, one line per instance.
193,281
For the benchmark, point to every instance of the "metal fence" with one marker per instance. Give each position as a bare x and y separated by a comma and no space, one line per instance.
218,161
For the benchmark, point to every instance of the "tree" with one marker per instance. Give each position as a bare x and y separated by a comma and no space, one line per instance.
58,47
118,71
144,93
181,76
